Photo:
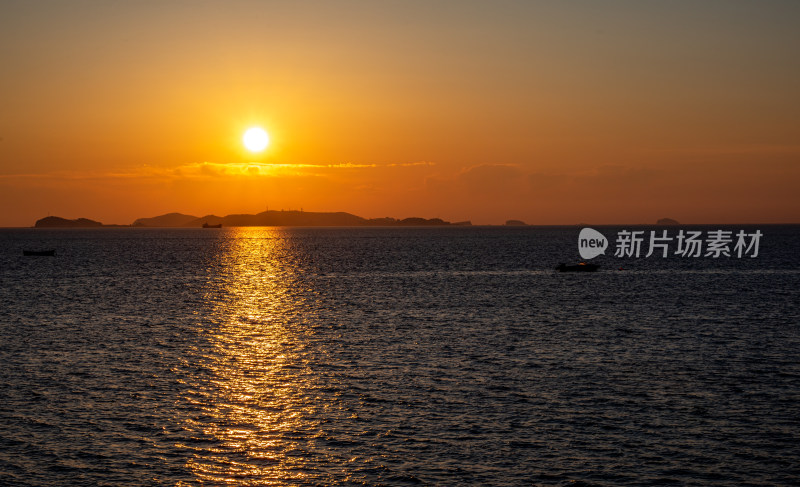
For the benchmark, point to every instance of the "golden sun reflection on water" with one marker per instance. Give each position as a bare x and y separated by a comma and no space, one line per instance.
254,411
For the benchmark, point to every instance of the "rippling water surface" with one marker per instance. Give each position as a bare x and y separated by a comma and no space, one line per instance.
392,356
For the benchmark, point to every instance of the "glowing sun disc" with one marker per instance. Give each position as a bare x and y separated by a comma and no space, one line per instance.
255,139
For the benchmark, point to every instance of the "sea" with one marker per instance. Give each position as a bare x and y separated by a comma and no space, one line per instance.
396,356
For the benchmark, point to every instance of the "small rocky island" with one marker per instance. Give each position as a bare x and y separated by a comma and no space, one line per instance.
58,222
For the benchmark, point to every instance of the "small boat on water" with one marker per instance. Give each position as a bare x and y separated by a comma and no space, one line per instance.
582,267
206,225
39,253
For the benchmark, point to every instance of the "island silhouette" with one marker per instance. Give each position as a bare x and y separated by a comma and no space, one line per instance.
58,222
269,218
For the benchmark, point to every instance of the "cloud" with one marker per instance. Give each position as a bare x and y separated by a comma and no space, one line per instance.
203,170
482,180
484,193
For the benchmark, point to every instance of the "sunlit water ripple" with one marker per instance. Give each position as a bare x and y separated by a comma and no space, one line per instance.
392,356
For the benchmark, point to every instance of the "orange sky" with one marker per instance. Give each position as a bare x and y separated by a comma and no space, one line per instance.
548,112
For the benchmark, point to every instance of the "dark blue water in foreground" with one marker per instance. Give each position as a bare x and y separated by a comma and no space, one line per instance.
394,356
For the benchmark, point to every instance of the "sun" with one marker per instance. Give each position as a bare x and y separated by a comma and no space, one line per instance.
255,139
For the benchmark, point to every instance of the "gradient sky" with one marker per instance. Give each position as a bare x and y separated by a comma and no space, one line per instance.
548,112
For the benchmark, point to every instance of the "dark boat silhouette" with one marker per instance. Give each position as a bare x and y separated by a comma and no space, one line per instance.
582,267
206,225
39,253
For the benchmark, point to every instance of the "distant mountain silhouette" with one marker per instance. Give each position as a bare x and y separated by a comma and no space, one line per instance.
281,219
273,218
667,221
269,218
58,222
